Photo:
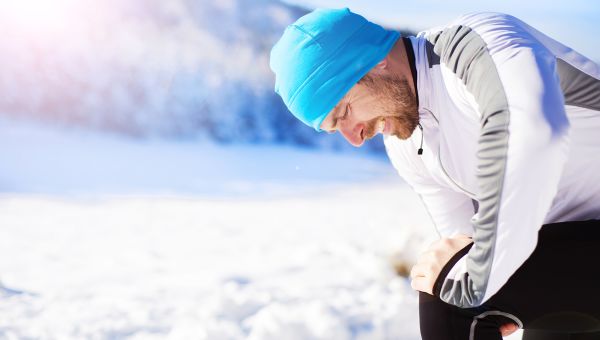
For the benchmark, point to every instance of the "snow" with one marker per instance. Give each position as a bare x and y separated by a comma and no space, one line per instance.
63,161
103,237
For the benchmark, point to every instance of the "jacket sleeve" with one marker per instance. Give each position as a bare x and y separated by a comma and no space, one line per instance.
491,61
450,211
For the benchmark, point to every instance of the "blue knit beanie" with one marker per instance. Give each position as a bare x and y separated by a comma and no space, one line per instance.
321,56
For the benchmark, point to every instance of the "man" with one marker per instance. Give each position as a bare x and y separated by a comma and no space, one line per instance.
496,127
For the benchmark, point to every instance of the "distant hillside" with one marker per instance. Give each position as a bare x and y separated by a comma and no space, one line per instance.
178,68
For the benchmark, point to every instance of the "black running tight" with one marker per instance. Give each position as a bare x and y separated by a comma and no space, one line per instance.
555,294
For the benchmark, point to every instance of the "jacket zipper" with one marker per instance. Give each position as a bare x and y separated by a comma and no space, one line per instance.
439,158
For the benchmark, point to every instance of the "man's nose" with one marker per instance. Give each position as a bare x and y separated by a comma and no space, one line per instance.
353,133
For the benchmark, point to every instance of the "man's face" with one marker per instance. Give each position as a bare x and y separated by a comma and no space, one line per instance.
376,104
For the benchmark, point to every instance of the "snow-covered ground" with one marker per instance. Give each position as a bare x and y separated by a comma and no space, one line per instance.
108,238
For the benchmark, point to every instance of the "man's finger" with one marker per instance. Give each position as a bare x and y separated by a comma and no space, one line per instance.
419,269
508,329
422,284
427,256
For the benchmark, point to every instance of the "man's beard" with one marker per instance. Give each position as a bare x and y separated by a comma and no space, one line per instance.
398,105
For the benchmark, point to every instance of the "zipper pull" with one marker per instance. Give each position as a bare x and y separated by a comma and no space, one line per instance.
420,151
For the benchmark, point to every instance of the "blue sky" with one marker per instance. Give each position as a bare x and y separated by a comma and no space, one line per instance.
575,23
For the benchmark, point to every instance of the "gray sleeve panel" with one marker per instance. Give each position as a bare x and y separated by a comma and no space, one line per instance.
579,88
465,53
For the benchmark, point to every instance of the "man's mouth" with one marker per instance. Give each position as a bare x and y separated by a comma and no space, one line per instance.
384,127
380,127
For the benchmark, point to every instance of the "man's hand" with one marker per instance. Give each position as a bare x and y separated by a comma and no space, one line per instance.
431,262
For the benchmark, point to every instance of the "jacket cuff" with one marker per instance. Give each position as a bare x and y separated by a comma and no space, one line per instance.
437,287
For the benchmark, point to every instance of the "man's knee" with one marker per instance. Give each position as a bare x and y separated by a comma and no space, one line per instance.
441,321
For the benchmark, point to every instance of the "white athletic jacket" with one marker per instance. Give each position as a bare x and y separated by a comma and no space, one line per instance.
511,140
